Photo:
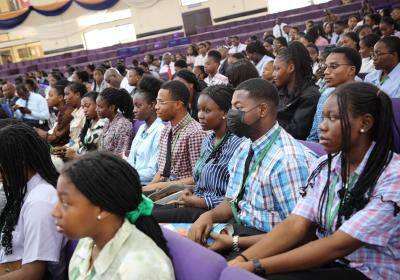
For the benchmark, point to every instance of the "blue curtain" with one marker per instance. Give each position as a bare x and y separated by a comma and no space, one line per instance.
17,20
97,7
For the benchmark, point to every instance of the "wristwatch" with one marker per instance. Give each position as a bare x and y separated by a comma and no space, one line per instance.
258,268
235,243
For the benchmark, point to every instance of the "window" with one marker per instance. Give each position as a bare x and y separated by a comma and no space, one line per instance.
191,2
110,36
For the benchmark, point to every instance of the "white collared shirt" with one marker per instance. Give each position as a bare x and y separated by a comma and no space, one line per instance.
37,105
217,79
261,64
240,48
390,85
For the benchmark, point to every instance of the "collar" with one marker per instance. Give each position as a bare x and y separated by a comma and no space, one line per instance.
116,118
112,248
183,122
261,142
337,164
394,74
153,126
77,112
33,182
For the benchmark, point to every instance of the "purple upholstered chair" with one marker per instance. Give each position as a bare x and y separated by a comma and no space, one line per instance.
315,147
234,273
70,248
192,261
396,132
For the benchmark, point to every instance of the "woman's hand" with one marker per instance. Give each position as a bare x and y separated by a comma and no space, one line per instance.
222,242
70,154
241,264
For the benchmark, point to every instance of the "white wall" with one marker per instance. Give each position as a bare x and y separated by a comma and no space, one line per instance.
66,31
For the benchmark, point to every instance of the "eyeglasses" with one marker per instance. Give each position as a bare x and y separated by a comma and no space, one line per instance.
374,54
162,102
336,65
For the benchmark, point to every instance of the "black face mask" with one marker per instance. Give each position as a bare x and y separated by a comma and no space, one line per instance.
235,123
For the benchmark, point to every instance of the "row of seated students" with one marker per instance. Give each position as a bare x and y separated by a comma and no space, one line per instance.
290,210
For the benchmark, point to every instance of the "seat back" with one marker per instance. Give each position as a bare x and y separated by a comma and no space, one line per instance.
192,261
315,147
234,273
396,126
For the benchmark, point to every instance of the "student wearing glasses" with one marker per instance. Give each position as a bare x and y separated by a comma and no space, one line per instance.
180,140
386,57
342,66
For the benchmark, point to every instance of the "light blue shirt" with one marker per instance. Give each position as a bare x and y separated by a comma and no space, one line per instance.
260,65
314,133
144,150
389,85
37,105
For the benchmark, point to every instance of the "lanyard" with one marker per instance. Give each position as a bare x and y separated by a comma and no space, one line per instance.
331,212
384,80
322,90
203,160
176,136
234,203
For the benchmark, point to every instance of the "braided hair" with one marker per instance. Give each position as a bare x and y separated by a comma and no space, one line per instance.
21,151
114,185
121,99
359,98
222,96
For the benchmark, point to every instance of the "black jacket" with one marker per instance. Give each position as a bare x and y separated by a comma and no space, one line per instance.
296,112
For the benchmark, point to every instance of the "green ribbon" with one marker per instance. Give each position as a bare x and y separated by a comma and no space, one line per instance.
145,208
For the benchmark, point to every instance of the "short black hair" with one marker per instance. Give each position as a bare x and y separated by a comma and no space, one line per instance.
352,56
340,22
241,71
256,47
353,36
261,89
388,21
177,90
221,95
190,78
282,41
392,43
215,55
180,63
370,40
149,87
139,71
83,76
313,46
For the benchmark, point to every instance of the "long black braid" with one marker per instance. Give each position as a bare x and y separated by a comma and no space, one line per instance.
114,185
21,151
91,146
359,98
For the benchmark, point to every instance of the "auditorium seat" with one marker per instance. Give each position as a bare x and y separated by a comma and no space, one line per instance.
234,273
396,125
315,147
192,261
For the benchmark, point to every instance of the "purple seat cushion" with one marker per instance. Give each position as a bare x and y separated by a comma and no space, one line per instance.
234,273
315,147
396,131
192,261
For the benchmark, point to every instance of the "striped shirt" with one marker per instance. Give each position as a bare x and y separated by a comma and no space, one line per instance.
375,225
272,190
213,179
314,133
187,137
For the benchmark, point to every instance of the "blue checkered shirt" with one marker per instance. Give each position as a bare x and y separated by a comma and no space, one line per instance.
272,190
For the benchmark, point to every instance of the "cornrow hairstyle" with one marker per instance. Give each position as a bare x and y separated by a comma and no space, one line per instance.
121,99
359,98
22,151
90,147
77,88
297,54
117,192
